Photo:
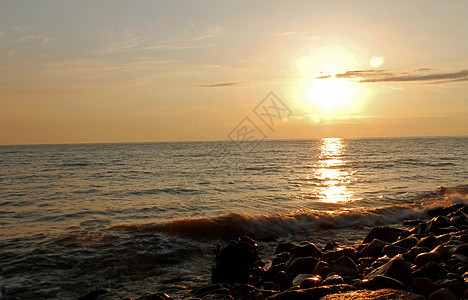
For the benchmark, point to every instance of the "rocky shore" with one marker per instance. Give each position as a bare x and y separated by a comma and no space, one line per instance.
428,259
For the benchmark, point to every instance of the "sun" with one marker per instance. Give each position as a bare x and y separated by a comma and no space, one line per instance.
331,93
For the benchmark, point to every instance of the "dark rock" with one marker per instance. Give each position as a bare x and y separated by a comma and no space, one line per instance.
207,289
412,222
374,248
442,294
382,294
344,266
244,292
456,286
273,270
462,250
424,258
217,297
424,286
429,242
386,234
302,265
306,249
280,258
94,294
407,243
311,282
396,268
284,247
312,293
430,270
381,282
444,211
415,251
333,255
443,251
458,221
300,278
320,267
333,279
330,246
156,296
236,262
393,250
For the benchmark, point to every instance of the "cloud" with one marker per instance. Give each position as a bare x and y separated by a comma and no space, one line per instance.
222,84
369,76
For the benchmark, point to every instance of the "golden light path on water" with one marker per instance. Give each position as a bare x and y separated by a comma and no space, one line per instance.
330,171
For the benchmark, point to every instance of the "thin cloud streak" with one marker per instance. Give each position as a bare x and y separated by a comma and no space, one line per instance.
370,76
222,84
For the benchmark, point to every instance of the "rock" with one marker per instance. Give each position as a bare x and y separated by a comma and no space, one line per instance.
244,292
306,249
330,246
407,243
282,280
415,251
456,286
344,266
424,286
311,282
312,293
284,247
374,248
393,250
429,242
156,296
462,250
218,297
442,294
386,234
302,265
300,278
443,251
209,289
236,263
322,269
396,268
444,211
412,222
382,294
280,258
273,270
333,279
424,258
430,270
381,282
333,255
94,294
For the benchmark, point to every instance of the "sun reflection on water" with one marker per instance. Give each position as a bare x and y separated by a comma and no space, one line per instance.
330,170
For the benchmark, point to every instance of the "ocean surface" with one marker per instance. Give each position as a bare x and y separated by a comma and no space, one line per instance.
138,217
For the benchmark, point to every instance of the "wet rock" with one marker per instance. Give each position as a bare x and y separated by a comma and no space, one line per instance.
412,222
280,258
382,294
443,251
322,269
302,265
462,250
333,279
393,250
155,296
407,243
273,270
218,297
344,266
209,289
94,294
284,247
333,255
456,286
444,211
424,258
374,248
430,270
415,251
424,286
236,262
386,234
330,246
311,282
306,249
442,294
244,292
312,293
429,242
396,268
300,278
381,281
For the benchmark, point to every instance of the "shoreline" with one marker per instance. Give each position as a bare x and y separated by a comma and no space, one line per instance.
422,259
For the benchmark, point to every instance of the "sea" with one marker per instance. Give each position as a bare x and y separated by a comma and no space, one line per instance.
134,218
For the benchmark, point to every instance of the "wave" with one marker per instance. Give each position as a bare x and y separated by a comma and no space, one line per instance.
302,221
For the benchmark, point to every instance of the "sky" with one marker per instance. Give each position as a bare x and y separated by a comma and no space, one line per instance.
147,71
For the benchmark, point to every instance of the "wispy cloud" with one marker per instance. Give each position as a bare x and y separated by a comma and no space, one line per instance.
222,84
420,75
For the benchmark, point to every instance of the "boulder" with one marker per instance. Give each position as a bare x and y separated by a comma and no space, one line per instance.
424,258
393,250
442,294
237,263
374,248
424,286
407,243
396,268
333,279
284,247
302,265
305,249
155,296
462,250
333,255
344,266
386,234
429,242
415,251
430,270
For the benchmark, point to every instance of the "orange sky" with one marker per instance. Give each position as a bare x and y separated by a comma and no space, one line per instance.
124,72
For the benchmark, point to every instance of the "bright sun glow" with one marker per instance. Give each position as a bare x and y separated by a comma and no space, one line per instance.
331,93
